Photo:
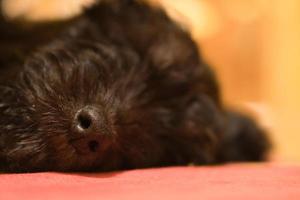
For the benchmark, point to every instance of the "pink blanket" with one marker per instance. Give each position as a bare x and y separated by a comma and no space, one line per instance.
240,182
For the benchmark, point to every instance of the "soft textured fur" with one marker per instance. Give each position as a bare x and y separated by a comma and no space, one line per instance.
158,102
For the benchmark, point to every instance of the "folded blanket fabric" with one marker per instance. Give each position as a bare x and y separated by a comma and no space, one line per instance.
247,181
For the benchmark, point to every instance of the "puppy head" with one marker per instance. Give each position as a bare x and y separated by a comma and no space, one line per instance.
78,105
67,105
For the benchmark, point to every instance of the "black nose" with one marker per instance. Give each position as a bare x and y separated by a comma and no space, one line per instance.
87,120
87,130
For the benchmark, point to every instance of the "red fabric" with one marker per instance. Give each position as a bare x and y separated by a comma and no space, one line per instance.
246,182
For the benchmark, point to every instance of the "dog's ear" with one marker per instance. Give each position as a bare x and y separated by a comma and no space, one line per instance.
160,41
173,49
147,29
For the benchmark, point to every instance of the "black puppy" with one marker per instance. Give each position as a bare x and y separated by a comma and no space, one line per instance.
120,87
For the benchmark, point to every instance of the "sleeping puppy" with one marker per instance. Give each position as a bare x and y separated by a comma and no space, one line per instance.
120,87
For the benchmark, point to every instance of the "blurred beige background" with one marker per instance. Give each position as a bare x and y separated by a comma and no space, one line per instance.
254,45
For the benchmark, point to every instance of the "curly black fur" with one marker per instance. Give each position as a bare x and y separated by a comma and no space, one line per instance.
157,102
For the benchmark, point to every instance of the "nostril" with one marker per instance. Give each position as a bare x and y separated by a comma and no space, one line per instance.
88,123
93,145
84,121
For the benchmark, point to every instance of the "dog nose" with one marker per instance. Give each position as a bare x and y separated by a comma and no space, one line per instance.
87,127
87,120
92,130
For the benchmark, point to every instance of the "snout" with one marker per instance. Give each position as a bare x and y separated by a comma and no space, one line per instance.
90,128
